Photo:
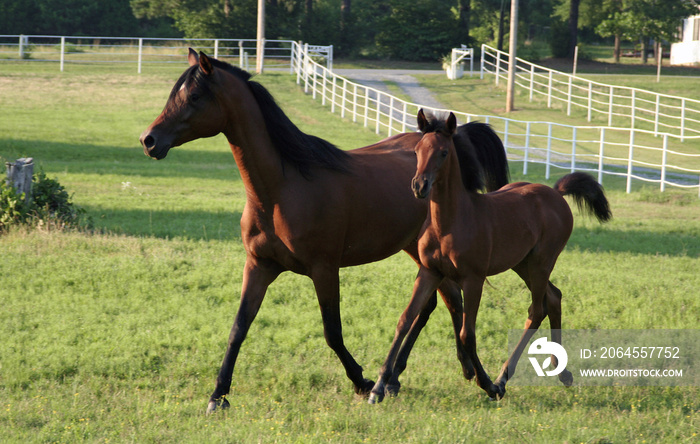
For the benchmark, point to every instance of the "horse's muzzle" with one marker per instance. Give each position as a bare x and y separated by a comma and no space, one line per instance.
421,186
152,147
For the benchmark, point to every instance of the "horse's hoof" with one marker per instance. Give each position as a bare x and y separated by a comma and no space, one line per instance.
497,392
566,378
217,403
375,398
365,389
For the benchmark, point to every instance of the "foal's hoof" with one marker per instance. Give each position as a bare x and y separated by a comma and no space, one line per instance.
217,403
566,378
364,389
498,391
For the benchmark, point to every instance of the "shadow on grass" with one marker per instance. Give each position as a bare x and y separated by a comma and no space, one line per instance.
187,161
635,242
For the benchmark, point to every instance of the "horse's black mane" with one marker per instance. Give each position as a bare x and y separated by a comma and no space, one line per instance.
302,151
469,166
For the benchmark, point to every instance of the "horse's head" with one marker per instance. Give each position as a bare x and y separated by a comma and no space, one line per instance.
432,150
191,112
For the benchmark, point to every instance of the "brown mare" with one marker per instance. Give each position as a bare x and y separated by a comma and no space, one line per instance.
468,236
311,208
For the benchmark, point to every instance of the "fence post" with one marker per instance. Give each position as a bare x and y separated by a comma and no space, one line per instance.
333,93
354,102
573,150
481,62
633,108
140,55
549,150
682,120
19,176
240,52
216,48
549,90
23,41
498,65
629,162
568,99
403,117
526,155
590,100
532,80
601,155
656,115
610,107
664,158
344,98
379,109
63,51
391,115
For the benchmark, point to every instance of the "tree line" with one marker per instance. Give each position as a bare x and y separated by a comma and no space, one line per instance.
389,29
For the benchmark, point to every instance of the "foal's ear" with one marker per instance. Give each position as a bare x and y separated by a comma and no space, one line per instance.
192,57
205,63
422,121
451,124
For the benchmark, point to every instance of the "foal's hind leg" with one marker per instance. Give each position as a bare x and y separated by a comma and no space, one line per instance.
537,280
554,313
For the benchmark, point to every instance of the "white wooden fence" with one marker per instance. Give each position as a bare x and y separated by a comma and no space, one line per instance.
638,154
610,104
140,52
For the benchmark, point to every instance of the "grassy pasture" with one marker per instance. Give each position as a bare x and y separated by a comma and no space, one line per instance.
116,335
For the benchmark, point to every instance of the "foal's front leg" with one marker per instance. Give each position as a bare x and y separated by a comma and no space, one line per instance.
473,288
425,285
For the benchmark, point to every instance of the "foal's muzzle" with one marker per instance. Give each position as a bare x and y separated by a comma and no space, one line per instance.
153,147
421,186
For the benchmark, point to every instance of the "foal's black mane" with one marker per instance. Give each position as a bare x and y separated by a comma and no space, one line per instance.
302,151
469,165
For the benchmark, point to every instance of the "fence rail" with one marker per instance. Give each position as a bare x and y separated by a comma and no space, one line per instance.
141,52
618,106
638,154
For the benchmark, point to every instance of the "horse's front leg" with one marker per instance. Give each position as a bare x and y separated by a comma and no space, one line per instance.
424,287
327,284
257,276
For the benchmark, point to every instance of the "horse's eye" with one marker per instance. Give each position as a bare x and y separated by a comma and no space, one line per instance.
194,97
443,153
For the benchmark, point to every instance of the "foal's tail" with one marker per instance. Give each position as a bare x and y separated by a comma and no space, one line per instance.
587,193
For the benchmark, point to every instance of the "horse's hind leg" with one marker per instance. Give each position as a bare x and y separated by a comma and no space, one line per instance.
554,313
327,285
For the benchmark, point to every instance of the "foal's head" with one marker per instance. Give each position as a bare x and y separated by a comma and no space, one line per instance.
193,109
432,151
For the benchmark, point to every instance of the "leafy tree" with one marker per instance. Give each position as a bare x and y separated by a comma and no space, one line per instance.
414,30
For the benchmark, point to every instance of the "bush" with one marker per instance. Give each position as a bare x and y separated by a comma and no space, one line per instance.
50,205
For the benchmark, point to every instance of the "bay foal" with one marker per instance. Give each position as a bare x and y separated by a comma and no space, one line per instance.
468,236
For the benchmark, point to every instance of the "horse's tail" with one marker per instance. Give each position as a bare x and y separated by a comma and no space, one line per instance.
481,140
587,193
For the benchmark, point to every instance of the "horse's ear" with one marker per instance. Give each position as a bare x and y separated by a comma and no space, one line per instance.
205,63
422,121
451,124
192,57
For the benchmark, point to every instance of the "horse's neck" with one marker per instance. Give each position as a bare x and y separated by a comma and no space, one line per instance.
258,161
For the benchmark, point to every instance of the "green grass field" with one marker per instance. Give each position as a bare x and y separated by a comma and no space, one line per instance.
116,334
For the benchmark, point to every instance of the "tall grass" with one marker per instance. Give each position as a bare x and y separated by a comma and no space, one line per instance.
116,335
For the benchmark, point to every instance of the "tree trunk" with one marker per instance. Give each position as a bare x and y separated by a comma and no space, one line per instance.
573,27
617,50
464,7
345,20
501,20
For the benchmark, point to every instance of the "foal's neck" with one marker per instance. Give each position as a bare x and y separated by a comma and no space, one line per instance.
450,201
